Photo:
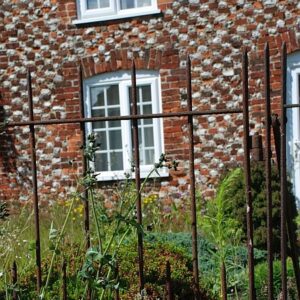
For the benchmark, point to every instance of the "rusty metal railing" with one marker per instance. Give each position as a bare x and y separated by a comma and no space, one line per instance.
189,114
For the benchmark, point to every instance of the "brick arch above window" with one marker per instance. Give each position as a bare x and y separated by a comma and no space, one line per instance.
148,59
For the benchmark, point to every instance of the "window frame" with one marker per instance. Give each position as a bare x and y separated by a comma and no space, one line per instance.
293,124
113,12
123,79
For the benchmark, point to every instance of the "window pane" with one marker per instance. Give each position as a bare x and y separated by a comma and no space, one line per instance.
98,113
143,3
149,157
126,4
137,94
101,162
114,112
147,109
91,4
148,132
115,139
113,95
104,3
116,161
97,95
146,92
101,139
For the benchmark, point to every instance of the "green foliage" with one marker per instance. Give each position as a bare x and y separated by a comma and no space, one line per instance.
215,224
236,209
156,254
236,262
261,284
224,233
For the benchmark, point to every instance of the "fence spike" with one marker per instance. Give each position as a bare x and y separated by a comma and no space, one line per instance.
14,276
192,180
247,172
169,282
268,154
137,173
64,279
283,181
84,163
34,185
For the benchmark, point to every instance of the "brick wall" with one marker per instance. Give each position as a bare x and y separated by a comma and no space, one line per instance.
40,36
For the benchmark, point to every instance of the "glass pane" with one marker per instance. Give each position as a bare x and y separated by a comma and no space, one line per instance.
146,92
97,95
126,4
149,141
91,4
115,139
104,3
140,136
114,112
147,109
143,3
101,162
130,95
113,95
116,161
98,113
101,139
149,157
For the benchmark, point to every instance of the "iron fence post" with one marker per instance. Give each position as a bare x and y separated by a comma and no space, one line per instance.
247,170
34,185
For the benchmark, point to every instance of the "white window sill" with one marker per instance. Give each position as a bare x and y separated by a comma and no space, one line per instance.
115,17
119,175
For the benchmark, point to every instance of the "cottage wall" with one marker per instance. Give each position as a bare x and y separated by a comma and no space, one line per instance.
40,36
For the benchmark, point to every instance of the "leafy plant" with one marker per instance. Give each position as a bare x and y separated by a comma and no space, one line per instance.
261,284
236,208
156,254
220,229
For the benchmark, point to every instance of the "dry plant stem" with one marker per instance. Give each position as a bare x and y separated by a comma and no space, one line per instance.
126,232
114,255
25,227
56,247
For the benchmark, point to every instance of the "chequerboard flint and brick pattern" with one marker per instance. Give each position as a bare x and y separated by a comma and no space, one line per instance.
40,36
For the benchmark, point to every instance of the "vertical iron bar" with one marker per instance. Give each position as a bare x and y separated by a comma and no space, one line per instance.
247,171
84,170
64,280
137,174
283,181
35,187
292,237
268,172
224,281
117,294
276,134
192,182
84,163
169,281
14,276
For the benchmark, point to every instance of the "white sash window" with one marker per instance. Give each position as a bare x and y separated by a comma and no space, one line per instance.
293,125
101,10
110,95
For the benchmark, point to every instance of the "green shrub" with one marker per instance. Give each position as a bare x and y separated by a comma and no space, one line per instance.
261,283
236,262
156,254
236,207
